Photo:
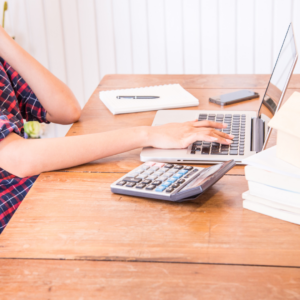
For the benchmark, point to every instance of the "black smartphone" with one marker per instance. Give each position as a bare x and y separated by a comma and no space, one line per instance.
234,97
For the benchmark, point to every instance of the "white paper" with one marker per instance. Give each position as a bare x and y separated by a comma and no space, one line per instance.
171,96
268,160
272,212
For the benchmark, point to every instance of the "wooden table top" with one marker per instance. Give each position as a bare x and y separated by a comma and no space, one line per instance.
72,237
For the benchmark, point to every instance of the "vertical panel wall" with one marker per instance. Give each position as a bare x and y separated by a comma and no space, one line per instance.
80,41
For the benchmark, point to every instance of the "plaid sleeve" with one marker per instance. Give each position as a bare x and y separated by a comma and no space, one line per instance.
30,107
6,127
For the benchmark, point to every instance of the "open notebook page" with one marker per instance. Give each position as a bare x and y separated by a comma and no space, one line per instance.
171,96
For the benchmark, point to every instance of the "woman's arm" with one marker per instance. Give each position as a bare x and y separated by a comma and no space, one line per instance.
31,157
58,100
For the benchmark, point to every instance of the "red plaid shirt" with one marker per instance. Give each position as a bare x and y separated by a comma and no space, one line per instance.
17,102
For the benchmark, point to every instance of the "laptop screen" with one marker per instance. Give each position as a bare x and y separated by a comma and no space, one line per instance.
281,73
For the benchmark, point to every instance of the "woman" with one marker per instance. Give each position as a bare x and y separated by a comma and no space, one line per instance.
29,91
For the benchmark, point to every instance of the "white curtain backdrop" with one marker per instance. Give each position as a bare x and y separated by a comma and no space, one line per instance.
82,40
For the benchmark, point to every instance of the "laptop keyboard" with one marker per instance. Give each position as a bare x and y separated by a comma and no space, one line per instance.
236,125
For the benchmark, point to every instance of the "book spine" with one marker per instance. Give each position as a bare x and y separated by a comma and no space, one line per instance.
272,212
272,179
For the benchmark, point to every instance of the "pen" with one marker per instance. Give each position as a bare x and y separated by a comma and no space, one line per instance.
137,97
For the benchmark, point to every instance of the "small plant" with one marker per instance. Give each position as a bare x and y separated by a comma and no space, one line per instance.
33,130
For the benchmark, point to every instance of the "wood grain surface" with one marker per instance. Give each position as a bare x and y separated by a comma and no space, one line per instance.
75,216
46,279
71,238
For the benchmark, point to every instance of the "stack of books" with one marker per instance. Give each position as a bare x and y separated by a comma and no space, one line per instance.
274,186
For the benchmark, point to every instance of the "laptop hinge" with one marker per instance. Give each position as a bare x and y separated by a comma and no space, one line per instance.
257,134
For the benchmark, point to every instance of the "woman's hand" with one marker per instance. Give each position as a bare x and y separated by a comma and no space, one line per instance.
181,135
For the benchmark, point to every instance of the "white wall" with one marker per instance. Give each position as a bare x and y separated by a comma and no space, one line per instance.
82,40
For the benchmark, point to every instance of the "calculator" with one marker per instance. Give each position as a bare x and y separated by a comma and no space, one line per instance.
171,182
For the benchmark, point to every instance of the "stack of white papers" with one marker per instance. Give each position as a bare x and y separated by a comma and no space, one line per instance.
170,96
268,160
274,186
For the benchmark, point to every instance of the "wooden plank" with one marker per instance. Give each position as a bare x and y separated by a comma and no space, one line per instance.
42,279
140,38
242,81
192,37
73,58
88,44
174,36
123,38
227,36
210,37
106,42
157,35
263,42
55,43
75,216
282,19
245,36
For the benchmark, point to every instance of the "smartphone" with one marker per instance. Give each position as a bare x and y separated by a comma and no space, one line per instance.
234,97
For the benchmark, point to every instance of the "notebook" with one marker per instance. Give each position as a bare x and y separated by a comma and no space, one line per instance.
171,96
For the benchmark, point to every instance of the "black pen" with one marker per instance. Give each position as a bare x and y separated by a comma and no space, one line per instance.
137,97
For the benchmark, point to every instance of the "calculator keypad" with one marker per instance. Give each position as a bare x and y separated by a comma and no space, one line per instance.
158,177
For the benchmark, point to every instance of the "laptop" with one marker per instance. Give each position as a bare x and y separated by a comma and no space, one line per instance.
250,128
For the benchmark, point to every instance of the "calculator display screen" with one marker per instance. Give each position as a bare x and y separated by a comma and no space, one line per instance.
205,175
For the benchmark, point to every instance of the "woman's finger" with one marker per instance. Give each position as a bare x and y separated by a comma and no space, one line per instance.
222,140
224,135
209,124
214,137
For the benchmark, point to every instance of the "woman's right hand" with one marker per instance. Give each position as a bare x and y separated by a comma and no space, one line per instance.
181,135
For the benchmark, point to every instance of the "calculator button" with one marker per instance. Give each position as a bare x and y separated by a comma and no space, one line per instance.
162,178
140,186
151,187
169,166
160,165
188,168
178,167
172,180
130,184
173,171
169,190
156,182
158,173
145,167
133,174
160,188
131,179
142,176
150,163
146,181
183,172
152,177
175,185
177,175
121,182
148,172
168,174
166,184
154,169
181,181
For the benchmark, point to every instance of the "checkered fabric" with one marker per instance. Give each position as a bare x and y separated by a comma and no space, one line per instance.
17,102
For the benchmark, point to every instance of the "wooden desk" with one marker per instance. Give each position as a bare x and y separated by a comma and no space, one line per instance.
72,238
